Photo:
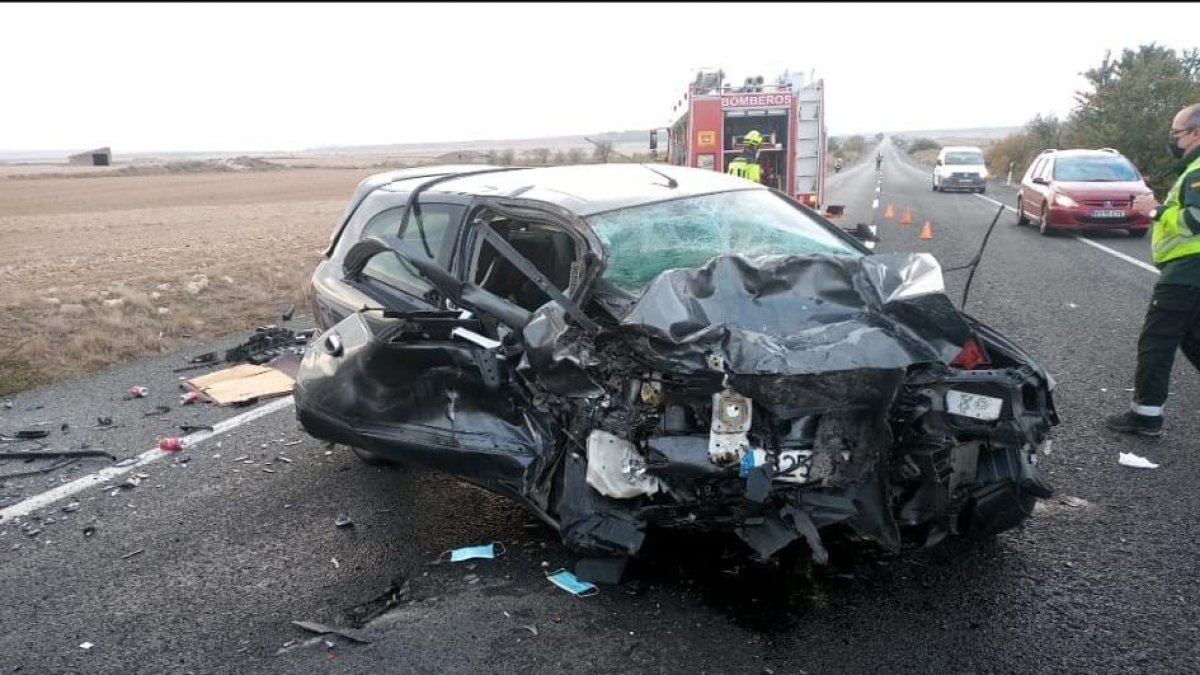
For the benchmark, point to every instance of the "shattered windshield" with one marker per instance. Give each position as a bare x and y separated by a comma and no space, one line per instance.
644,241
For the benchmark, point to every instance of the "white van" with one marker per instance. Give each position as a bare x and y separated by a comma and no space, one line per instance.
960,167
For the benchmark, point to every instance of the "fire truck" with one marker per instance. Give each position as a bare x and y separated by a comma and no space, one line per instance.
712,116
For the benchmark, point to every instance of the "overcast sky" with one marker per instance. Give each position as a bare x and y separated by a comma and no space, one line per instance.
288,77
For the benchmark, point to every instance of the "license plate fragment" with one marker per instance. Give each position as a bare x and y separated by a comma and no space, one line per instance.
973,405
1108,213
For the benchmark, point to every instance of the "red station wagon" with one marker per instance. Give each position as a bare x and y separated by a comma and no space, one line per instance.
1079,190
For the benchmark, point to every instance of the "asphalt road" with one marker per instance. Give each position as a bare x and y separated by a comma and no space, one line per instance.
202,566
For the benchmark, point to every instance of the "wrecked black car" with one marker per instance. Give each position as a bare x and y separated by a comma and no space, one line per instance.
622,348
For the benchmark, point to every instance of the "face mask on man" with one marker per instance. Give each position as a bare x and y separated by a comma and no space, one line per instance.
1176,151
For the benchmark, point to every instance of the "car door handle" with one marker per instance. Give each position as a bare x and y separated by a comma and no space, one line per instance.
333,344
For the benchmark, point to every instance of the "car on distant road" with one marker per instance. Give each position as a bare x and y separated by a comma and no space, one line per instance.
960,167
1081,190
623,348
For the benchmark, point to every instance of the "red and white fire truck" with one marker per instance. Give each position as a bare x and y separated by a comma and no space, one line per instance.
708,123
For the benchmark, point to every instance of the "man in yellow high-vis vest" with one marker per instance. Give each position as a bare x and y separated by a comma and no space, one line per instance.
746,165
1173,319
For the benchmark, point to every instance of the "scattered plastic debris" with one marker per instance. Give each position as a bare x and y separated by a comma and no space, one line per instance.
138,392
104,422
193,428
292,443
283,459
532,629
266,470
335,563
30,434
89,530
1134,461
1074,502
158,410
343,521
189,398
130,555
567,581
322,629
171,444
86,646
483,551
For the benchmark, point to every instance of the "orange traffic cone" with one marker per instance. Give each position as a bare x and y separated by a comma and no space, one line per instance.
906,217
888,212
926,231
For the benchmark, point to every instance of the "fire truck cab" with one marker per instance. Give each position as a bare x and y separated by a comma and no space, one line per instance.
711,118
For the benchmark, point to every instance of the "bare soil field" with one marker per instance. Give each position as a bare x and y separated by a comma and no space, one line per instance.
106,269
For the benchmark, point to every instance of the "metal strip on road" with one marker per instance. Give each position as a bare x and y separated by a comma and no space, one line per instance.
27,506
1114,253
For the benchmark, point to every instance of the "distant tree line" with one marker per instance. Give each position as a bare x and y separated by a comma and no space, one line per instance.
1128,108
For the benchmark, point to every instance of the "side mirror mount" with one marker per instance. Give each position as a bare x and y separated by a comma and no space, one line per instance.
1040,180
938,163
864,233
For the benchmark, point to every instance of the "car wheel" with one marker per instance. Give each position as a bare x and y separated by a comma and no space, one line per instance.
1022,219
1138,234
1042,222
369,458
983,189
934,186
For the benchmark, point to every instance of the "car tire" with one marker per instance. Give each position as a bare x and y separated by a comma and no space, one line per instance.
1140,233
1022,219
983,189
934,186
1042,227
369,458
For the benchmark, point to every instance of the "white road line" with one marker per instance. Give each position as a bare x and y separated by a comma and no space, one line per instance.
1117,254
993,201
874,203
24,508
1114,253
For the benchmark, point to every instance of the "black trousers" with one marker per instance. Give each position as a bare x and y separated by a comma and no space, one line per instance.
1172,322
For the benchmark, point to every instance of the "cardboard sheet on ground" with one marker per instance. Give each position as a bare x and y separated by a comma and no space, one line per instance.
243,383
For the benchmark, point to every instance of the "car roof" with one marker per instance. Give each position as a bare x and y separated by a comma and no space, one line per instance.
1087,152
961,148
584,189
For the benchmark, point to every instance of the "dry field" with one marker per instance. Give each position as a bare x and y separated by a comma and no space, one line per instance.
101,270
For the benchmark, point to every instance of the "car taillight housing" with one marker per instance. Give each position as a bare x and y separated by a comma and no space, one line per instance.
809,199
971,356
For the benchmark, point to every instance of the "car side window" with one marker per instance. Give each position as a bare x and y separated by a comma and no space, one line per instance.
1046,168
1034,168
426,231
549,248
